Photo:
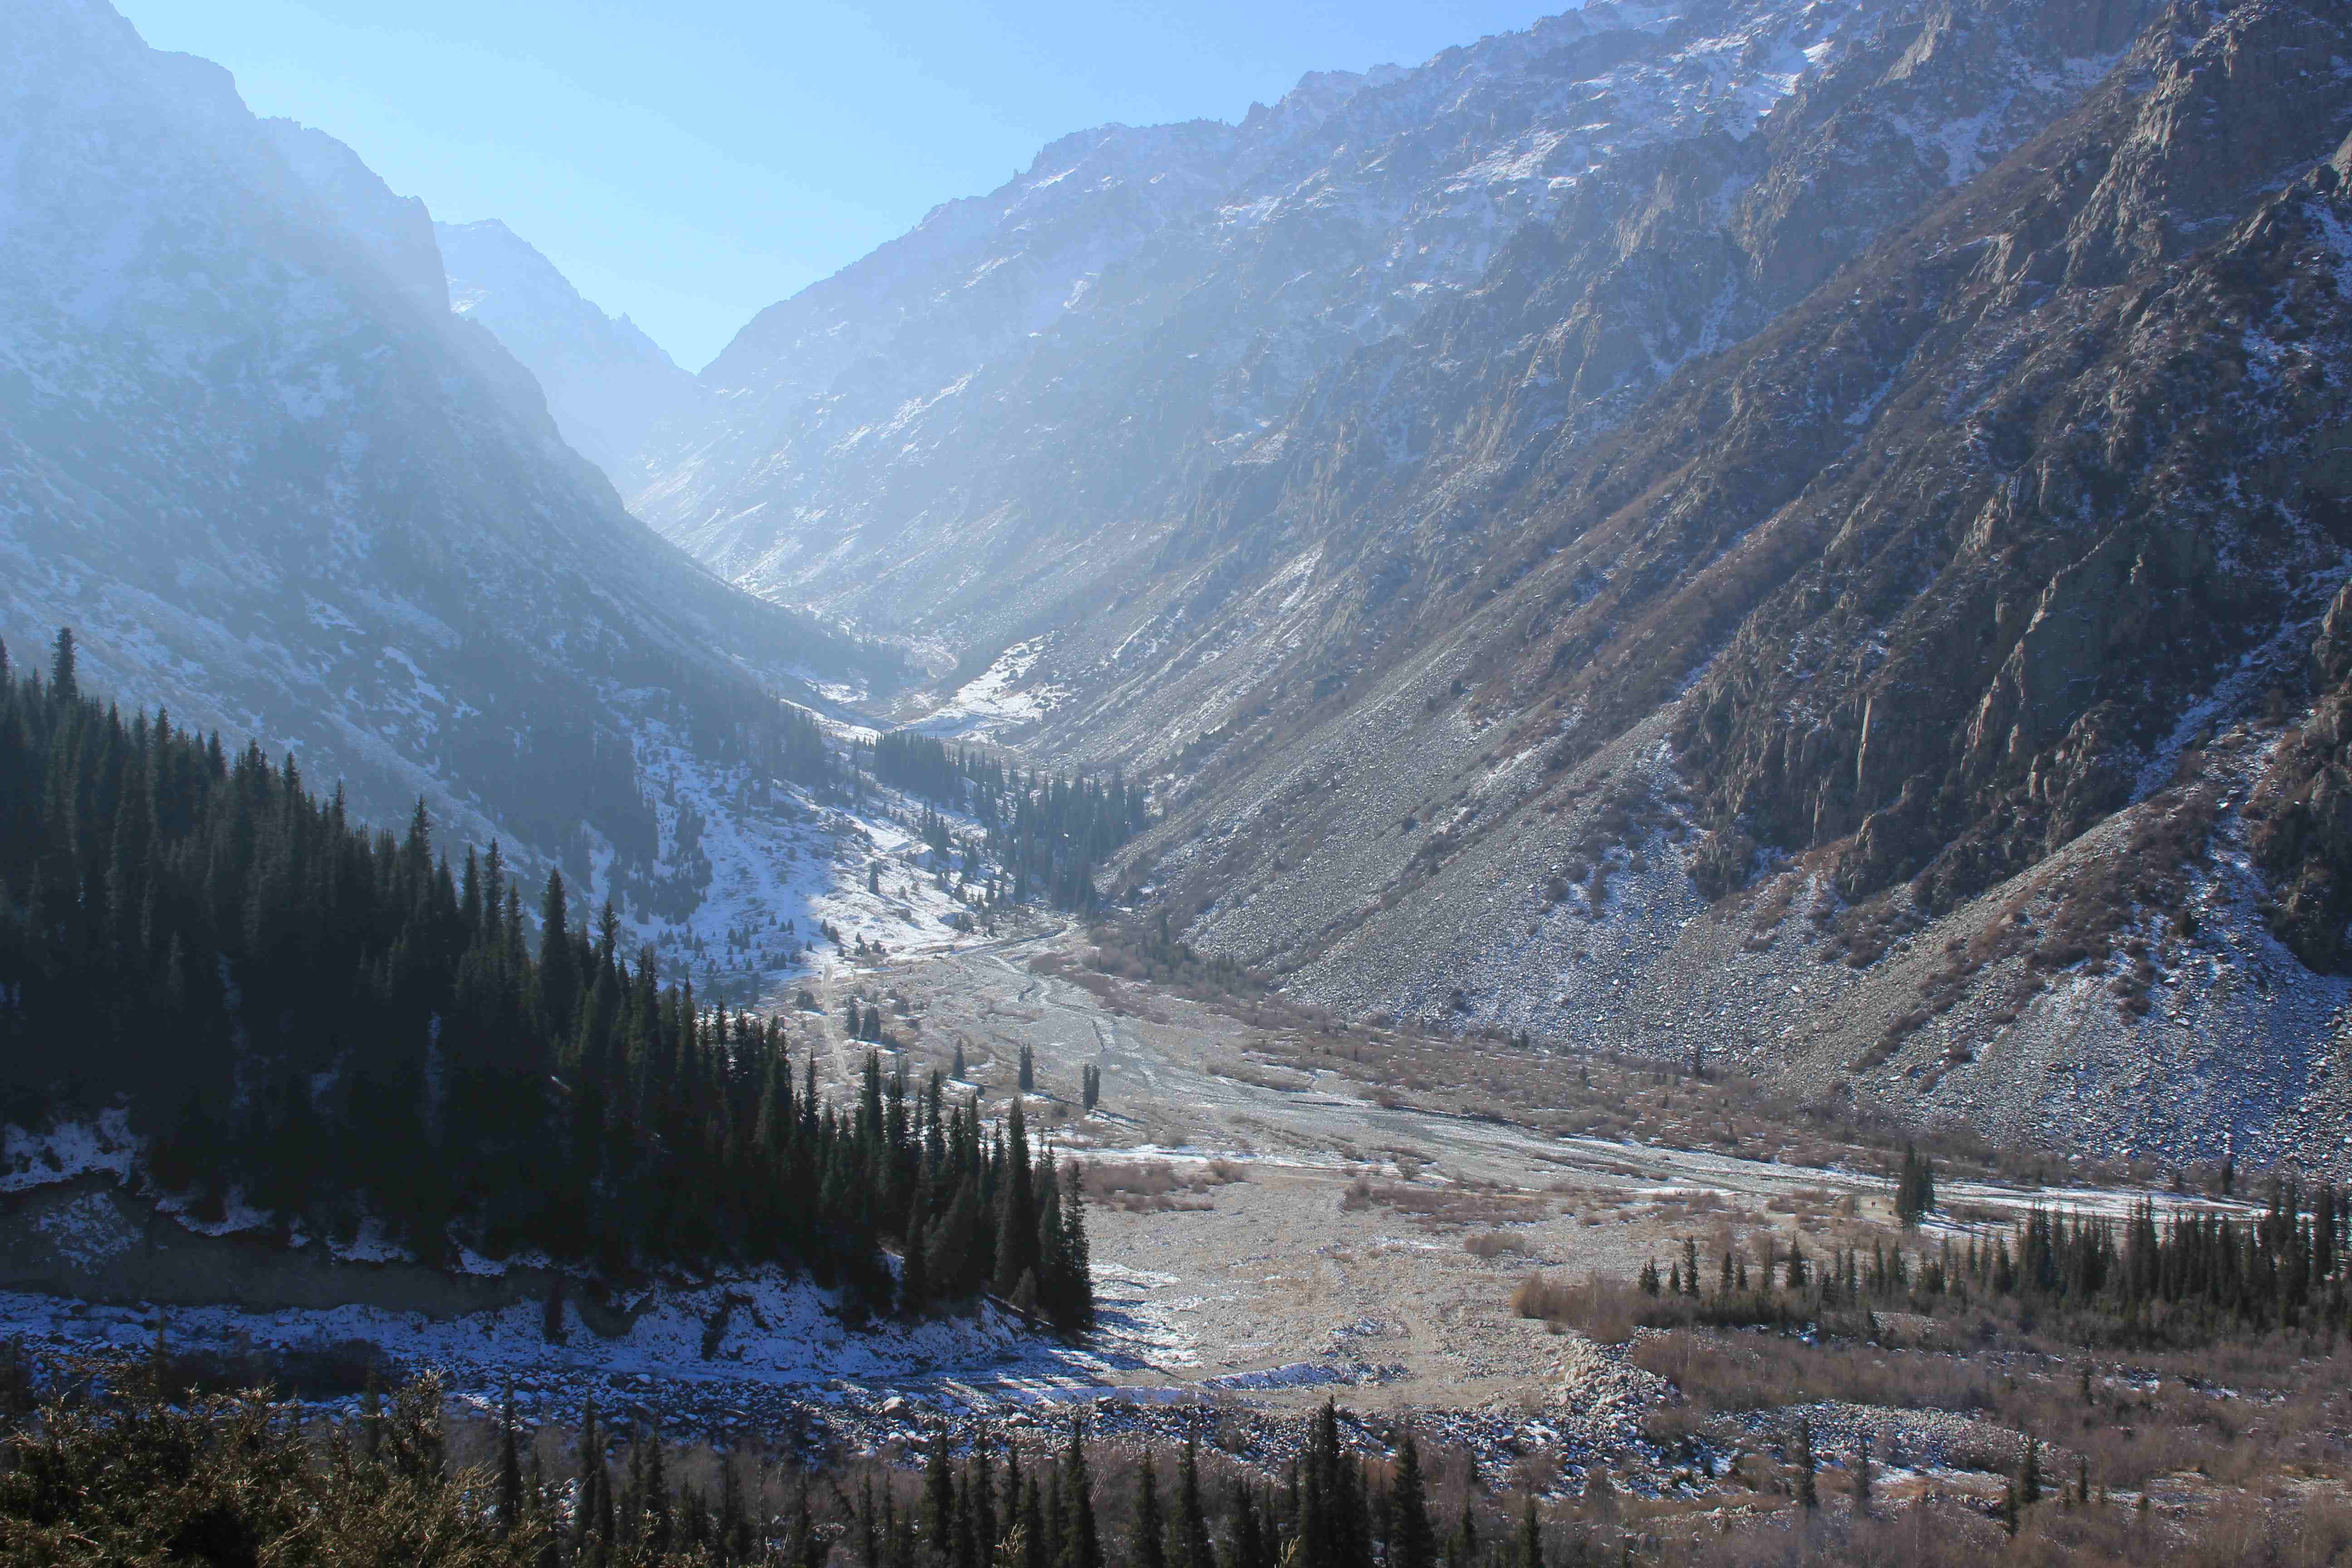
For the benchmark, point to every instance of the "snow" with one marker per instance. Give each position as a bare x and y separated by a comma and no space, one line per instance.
65,1151
779,854
994,703
780,1331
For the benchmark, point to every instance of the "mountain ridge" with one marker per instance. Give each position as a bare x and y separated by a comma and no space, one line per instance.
248,453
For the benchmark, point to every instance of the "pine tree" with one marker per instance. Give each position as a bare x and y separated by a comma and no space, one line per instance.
608,1118
1039,1550
1192,1524
1808,1495
65,684
1861,1474
2029,1471
1530,1552
938,1495
1081,1543
1462,1547
1413,1538
586,1505
1149,1547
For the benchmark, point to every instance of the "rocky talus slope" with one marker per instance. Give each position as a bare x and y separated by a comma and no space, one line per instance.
1935,699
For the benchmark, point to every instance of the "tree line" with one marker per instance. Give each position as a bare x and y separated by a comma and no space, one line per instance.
2142,1277
338,1028
128,1467
1046,832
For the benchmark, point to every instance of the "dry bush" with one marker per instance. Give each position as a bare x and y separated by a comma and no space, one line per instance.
1463,1204
1260,1076
1145,1187
1605,1310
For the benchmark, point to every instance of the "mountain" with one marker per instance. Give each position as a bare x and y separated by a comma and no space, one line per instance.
994,427
1935,699
607,384
248,451
1797,535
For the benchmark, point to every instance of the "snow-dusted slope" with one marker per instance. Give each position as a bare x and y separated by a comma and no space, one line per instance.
607,384
1014,416
249,454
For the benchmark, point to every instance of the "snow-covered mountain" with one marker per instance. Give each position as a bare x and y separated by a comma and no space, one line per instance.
607,384
993,425
1576,526
248,451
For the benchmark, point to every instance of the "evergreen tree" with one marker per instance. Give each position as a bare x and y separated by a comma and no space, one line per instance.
1414,1539
1081,1543
1808,1495
938,1495
1462,1546
1147,1549
1192,1548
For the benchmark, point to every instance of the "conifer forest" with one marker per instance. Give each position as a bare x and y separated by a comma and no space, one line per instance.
341,1027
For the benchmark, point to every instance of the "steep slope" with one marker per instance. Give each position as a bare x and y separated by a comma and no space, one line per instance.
1952,630
1362,309
607,384
247,450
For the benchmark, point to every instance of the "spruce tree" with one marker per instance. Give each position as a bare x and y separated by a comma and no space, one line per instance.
1016,1236
1038,1550
586,1505
1462,1547
1193,1545
1808,1495
1413,1538
1081,1541
65,683
938,1495
1149,1548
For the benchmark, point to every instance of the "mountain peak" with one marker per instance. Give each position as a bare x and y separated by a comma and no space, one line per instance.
607,384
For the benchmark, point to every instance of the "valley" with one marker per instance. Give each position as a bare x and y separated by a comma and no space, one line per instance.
1599,789
1281,1212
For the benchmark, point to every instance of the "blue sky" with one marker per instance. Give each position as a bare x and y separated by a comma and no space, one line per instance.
690,162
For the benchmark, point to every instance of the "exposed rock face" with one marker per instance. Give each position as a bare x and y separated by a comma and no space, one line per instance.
1157,348
1964,587
607,384
248,453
